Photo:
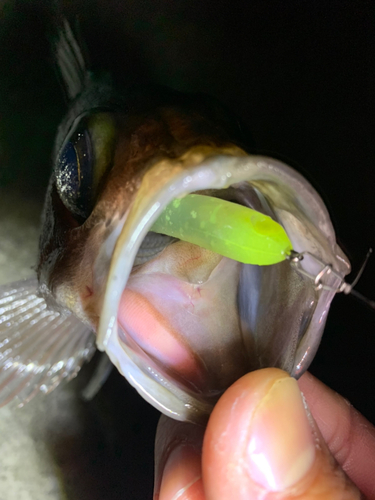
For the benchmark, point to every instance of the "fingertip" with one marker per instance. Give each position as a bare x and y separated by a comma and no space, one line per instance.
260,440
178,471
350,437
182,475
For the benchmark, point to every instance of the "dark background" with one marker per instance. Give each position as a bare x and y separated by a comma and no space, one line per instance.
301,74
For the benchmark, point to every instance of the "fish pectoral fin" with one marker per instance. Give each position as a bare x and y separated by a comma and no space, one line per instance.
98,378
39,346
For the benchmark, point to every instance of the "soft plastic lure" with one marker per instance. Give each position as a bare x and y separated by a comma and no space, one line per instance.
226,228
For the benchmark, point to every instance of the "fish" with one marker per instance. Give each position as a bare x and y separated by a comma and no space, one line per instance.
180,322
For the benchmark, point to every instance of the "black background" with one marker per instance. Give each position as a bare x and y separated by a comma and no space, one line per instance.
301,74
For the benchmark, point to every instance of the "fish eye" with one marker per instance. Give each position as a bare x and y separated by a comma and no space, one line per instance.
82,162
74,174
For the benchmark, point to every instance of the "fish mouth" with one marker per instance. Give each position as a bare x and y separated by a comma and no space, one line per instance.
187,323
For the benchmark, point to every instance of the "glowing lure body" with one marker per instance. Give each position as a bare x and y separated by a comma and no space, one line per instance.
226,228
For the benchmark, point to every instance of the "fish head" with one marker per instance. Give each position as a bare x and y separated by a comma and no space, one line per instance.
110,157
180,322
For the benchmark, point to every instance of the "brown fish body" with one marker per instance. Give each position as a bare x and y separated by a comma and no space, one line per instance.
179,322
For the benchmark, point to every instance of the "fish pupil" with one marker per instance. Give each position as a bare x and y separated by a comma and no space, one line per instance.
74,174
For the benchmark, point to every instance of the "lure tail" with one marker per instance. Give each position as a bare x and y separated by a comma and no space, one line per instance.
39,346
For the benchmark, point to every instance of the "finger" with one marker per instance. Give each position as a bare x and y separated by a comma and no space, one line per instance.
350,437
178,471
261,444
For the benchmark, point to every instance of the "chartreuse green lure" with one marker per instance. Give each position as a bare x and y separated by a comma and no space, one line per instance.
226,228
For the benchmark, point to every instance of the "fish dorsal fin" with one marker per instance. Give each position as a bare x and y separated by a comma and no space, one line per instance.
39,346
70,60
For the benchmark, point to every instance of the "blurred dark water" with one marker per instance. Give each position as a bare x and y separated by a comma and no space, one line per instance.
301,75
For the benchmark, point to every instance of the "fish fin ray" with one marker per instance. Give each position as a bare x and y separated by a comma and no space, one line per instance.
99,377
70,60
39,346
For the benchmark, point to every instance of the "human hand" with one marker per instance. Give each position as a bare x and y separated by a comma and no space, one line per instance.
261,443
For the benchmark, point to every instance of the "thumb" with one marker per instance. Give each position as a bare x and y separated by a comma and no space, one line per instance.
261,442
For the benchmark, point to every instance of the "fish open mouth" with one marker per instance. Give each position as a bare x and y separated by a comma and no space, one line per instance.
182,322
